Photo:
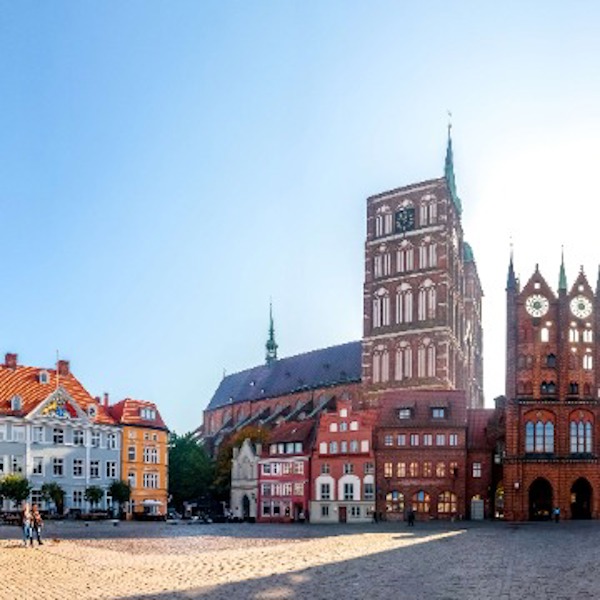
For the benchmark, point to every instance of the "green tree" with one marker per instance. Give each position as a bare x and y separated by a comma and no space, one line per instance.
93,494
222,478
190,470
120,491
53,492
15,487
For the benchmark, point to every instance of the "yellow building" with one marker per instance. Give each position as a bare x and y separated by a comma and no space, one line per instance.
144,456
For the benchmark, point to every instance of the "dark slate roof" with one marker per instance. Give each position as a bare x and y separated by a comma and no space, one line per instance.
316,369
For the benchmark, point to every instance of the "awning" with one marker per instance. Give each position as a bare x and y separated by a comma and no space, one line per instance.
152,503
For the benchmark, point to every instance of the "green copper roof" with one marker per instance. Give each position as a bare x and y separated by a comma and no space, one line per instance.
562,278
468,253
271,345
449,174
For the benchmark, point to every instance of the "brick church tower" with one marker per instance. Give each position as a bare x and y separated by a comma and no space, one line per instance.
422,295
552,392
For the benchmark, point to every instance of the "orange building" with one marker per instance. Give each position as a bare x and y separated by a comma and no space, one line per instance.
144,455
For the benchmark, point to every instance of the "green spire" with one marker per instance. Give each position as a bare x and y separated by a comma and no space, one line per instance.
449,172
562,278
511,280
271,345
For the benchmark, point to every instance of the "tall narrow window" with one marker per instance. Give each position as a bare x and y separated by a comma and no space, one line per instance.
544,334
581,437
587,362
403,362
404,304
381,308
405,257
539,437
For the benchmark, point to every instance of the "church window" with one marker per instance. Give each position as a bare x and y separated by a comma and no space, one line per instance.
432,255
423,256
405,257
588,336
404,304
426,359
544,334
581,437
551,360
381,365
427,301
378,225
378,265
573,335
587,362
381,308
539,437
403,362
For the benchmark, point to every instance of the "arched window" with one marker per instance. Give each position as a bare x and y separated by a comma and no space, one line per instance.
383,221
573,335
433,255
423,256
581,436
404,304
587,362
378,225
544,334
428,210
427,301
381,308
403,361
588,336
420,502
426,359
539,436
394,502
447,503
551,360
424,213
405,257
381,364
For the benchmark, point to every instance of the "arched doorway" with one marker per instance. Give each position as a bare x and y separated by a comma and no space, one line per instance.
581,499
245,508
540,500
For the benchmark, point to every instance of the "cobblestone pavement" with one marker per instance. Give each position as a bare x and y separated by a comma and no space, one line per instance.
163,561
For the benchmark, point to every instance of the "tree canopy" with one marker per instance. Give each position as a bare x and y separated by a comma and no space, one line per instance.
190,470
15,487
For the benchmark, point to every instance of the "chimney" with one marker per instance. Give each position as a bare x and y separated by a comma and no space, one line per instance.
10,361
106,399
97,399
63,368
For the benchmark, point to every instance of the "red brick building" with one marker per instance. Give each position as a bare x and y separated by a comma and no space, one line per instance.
343,466
284,473
421,448
552,411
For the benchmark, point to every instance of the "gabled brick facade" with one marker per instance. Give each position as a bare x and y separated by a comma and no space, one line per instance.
552,412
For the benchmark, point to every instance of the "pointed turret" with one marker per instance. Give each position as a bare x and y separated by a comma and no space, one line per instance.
562,278
449,172
271,345
511,280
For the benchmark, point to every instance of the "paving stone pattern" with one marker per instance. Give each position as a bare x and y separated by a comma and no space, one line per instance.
446,561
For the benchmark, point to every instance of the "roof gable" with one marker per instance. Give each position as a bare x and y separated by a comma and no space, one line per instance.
58,404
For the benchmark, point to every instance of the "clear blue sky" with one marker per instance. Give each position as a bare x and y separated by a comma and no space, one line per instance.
167,167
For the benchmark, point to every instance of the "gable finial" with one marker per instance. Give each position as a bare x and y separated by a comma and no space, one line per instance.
271,345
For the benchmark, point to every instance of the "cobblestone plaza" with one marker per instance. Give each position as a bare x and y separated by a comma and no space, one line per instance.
137,561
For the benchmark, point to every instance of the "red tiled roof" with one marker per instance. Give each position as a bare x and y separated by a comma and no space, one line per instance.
25,382
478,419
128,412
294,431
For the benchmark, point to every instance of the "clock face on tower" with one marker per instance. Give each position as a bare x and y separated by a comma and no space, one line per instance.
536,305
581,307
405,220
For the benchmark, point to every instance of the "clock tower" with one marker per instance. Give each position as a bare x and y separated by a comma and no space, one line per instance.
552,411
422,294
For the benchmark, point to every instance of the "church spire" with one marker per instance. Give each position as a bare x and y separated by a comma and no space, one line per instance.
449,169
271,345
511,280
562,278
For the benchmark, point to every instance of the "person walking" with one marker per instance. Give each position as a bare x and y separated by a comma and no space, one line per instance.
26,523
556,514
37,524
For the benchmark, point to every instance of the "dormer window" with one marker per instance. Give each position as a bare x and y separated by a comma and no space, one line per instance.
92,411
148,414
438,413
16,403
405,413
44,377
